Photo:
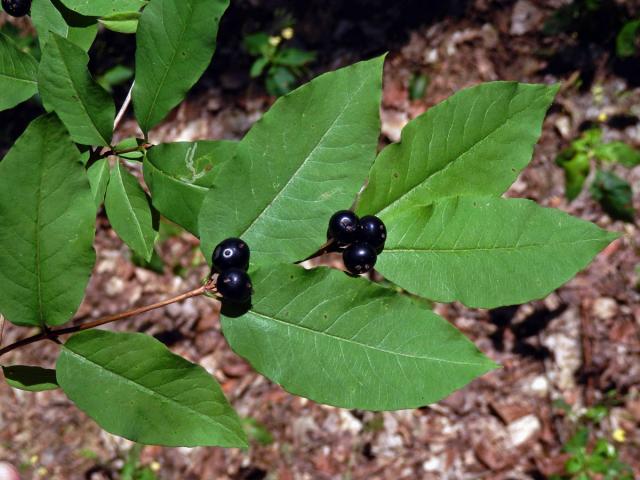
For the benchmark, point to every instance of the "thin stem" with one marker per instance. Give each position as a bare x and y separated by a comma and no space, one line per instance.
55,333
326,247
1,329
124,107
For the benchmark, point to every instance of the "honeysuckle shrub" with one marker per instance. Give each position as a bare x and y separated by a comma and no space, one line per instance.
319,333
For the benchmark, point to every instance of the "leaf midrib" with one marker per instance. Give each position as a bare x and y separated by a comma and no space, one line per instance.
364,345
151,392
75,89
483,249
170,64
17,60
130,208
37,241
307,158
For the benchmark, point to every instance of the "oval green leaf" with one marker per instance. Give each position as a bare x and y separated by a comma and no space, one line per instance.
98,174
350,343
614,194
304,159
618,152
474,143
130,213
31,379
18,74
126,22
133,386
487,252
48,220
175,42
67,88
100,8
179,175
52,16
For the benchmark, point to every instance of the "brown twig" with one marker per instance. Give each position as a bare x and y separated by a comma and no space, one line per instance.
123,109
2,329
53,335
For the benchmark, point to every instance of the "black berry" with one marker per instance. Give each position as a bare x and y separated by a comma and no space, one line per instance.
231,253
234,285
343,227
359,257
371,230
16,8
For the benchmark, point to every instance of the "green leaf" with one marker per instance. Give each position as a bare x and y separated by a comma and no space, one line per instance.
257,44
128,144
175,42
114,76
280,80
133,386
18,72
350,343
130,213
627,38
474,143
574,465
179,175
48,219
305,159
293,57
101,8
258,67
52,16
66,86
126,22
31,379
98,174
578,441
589,140
618,152
614,195
576,170
487,252
418,86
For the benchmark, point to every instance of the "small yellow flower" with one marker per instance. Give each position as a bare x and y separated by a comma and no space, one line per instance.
619,435
602,117
42,471
275,41
155,466
287,33
33,460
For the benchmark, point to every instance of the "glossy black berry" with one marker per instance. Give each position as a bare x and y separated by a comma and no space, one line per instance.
234,285
359,257
343,226
231,253
16,8
371,230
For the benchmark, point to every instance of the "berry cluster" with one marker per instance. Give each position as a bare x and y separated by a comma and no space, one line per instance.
16,8
230,260
361,238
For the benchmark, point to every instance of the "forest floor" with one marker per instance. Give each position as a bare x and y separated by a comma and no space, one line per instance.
579,347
